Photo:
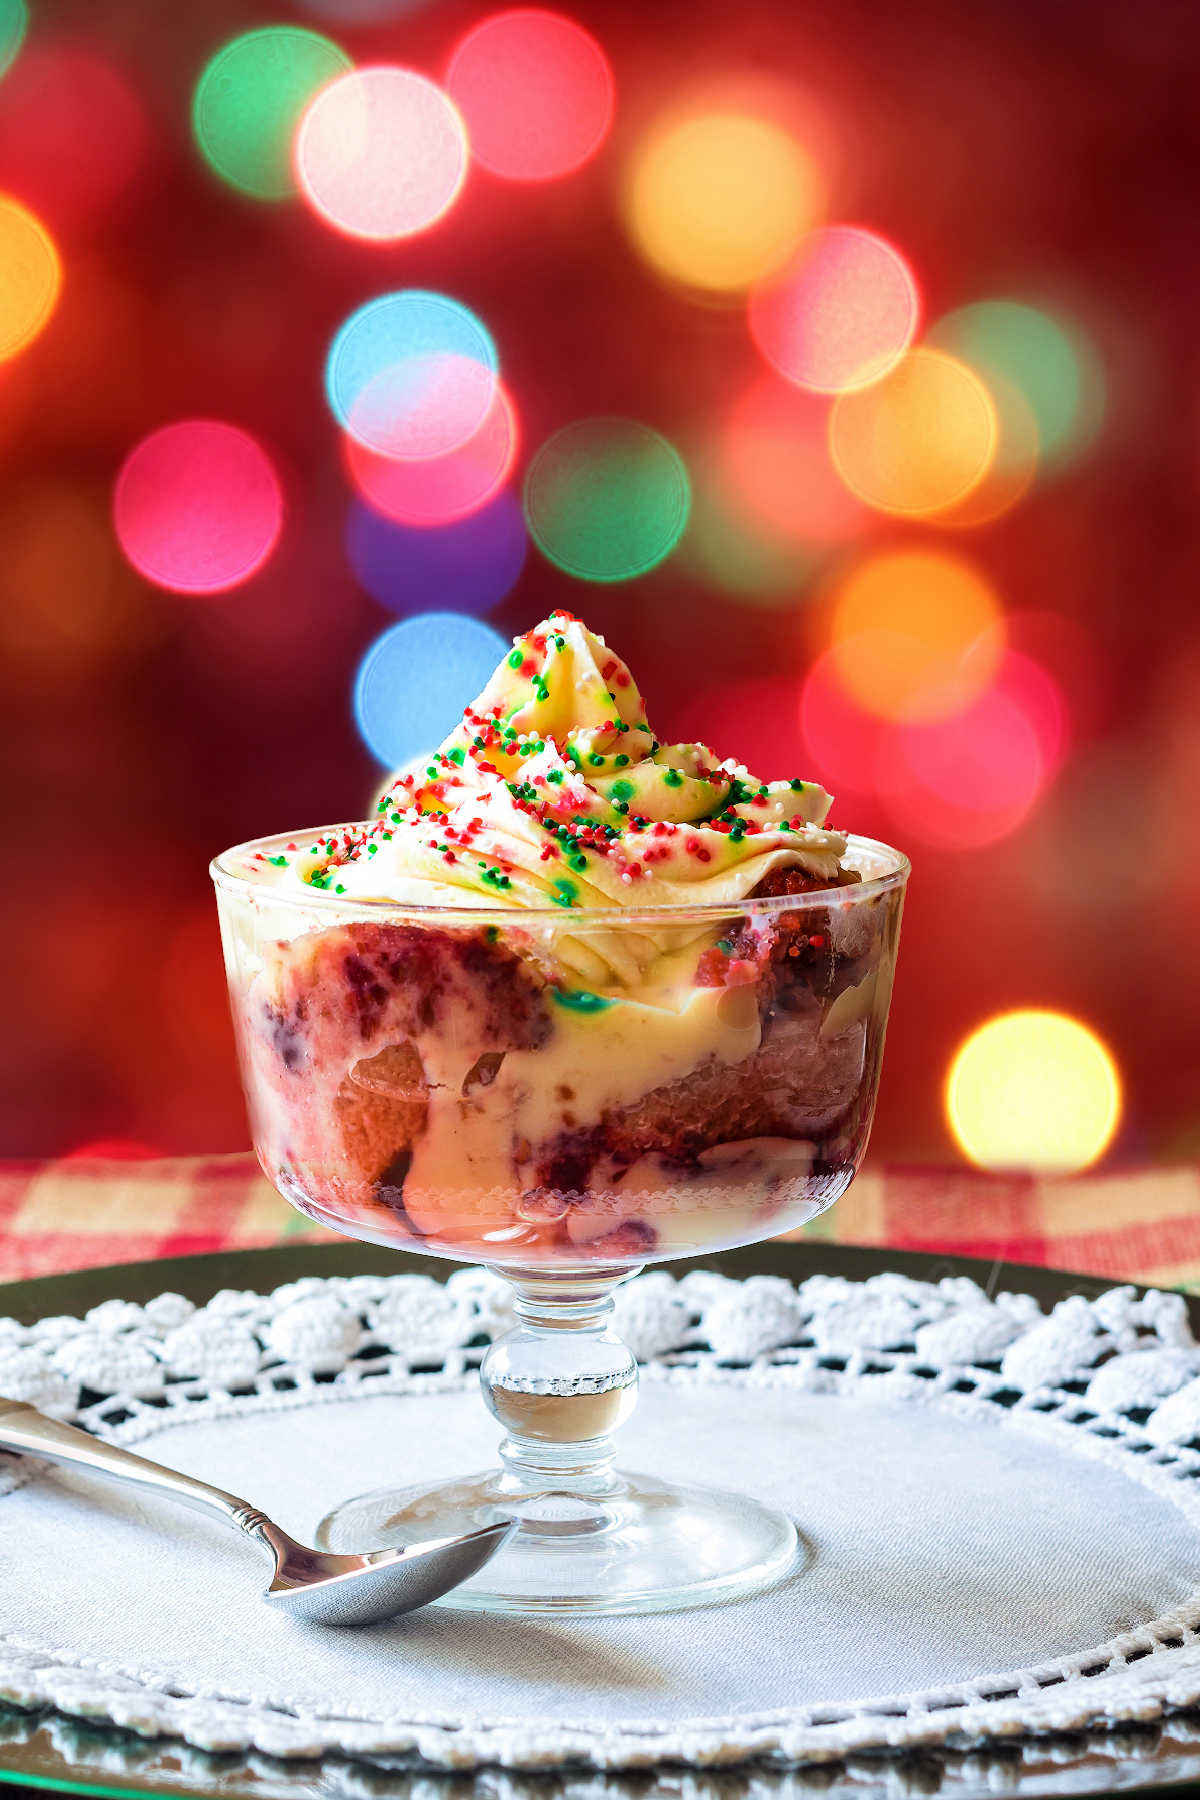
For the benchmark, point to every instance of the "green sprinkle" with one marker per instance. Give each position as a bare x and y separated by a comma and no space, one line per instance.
622,790
457,755
796,786
724,946
579,1000
515,658
371,849
565,892
555,775
396,819
620,758
577,862
492,933
279,861
672,777
596,761
339,889
621,806
431,771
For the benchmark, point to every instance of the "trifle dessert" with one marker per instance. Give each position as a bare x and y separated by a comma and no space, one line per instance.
573,996
573,1000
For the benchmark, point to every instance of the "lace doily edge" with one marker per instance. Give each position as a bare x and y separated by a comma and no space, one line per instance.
31,1684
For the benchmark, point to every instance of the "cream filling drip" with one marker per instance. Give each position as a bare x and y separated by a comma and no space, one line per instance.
607,1058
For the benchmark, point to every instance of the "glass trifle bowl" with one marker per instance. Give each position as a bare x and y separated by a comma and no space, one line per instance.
563,1092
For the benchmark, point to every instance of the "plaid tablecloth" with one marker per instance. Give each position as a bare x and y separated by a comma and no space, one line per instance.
1142,1225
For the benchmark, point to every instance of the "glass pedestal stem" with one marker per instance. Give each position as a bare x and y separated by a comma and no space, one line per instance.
560,1383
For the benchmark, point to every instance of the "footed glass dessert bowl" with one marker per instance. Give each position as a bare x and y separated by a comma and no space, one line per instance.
573,1001
565,1096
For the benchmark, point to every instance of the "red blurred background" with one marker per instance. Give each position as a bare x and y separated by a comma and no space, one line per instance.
1042,158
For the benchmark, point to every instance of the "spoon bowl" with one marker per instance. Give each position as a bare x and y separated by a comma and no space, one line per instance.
359,1590
314,1585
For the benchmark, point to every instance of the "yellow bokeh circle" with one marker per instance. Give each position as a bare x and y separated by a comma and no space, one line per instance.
915,634
918,441
30,276
1033,1090
718,200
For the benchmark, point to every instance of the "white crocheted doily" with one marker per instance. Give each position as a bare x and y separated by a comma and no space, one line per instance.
982,1486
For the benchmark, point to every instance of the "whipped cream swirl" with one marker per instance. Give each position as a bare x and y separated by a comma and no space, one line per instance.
554,791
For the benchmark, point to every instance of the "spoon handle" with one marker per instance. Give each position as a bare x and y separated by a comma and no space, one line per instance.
24,1429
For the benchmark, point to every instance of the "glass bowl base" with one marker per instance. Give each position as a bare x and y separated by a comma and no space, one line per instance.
641,1545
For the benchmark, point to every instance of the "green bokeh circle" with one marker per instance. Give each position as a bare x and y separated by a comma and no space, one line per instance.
1051,361
14,20
250,98
607,499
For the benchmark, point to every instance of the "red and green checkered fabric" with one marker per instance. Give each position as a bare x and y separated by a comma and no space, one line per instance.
1141,1225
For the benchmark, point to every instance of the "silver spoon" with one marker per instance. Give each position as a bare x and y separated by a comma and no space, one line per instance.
309,1584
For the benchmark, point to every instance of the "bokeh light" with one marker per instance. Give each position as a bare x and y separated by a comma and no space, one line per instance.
1050,361
607,499
919,440
536,92
410,685
198,506
969,780
1034,1090
841,314
1014,466
1044,703
381,153
469,565
774,454
412,374
957,783
73,134
249,101
30,276
719,200
435,490
14,20
841,739
915,633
